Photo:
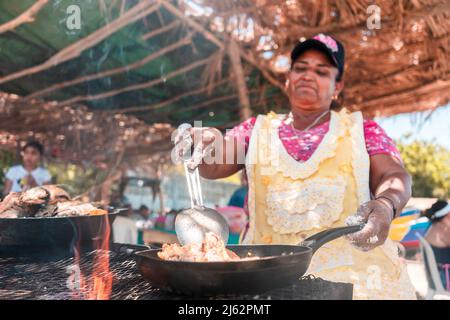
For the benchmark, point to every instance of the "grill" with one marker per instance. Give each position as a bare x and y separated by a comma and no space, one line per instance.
47,279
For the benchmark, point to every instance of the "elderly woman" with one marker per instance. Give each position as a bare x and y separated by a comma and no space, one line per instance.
319,167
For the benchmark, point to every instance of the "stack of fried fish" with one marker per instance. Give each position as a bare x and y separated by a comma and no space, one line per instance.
45,201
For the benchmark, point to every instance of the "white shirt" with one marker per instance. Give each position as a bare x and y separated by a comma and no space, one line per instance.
125,230
17,173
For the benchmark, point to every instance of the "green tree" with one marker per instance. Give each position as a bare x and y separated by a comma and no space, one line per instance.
6,161
75,178
429,166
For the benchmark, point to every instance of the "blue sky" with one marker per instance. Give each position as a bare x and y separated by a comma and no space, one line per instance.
436,128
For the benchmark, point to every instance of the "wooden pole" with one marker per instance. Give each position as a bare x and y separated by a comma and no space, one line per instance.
158,31
172,100
106,187
194,25
26,17
134,87
108,73
240,82
263,70
139,11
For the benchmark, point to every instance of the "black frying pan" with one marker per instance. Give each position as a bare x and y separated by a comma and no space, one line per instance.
278,266
47,235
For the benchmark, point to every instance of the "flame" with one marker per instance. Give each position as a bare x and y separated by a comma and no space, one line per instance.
99,285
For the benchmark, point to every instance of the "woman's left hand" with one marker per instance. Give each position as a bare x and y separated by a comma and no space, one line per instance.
378,216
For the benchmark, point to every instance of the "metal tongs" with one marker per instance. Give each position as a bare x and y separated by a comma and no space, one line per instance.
194,187
191,225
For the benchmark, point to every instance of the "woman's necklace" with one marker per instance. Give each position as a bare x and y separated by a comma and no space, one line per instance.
291,121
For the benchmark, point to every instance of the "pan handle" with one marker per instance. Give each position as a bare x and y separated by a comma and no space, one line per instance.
129,249
319,239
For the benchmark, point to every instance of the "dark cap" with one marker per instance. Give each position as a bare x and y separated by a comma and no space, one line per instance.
332,48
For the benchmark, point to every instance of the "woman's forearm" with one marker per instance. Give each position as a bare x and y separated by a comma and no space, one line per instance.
227,159
389,181
217,171
395,186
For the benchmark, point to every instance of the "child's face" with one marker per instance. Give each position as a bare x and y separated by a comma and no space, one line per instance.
31,157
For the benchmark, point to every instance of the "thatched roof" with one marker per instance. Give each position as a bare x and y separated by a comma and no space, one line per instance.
75,134
218,61
402,67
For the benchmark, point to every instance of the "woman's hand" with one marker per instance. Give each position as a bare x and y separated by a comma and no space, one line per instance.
391,186
377,214
199,138
215,156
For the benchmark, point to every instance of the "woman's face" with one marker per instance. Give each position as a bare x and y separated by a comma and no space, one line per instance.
311,83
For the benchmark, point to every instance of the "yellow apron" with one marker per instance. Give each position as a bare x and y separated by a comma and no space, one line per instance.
291,200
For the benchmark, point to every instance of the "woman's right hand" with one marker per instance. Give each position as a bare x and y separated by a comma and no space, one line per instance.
193,144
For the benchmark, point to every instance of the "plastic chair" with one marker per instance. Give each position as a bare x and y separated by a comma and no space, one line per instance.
436,289
400,227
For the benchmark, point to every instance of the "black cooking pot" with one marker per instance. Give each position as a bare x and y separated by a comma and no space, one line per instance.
48,235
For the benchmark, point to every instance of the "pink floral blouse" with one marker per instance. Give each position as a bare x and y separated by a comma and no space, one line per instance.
302,144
